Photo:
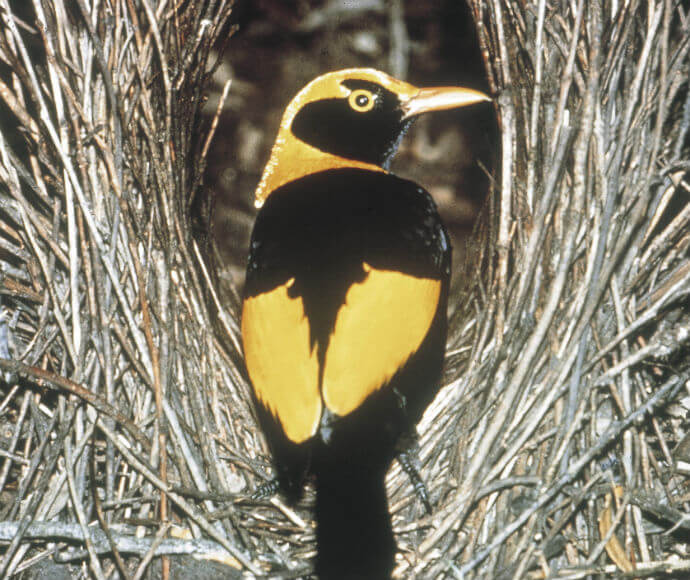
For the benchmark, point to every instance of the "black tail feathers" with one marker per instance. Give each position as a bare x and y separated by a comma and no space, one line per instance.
354,532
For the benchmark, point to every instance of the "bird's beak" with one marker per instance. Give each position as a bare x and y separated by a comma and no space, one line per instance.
439,99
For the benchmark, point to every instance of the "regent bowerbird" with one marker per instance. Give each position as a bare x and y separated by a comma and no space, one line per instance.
344,310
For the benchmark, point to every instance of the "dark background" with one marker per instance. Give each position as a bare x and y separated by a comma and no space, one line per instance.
279,46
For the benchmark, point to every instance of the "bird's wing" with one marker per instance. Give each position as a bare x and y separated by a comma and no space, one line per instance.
379,327
282,364
346,273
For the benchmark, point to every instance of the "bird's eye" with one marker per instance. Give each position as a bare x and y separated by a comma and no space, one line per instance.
362,100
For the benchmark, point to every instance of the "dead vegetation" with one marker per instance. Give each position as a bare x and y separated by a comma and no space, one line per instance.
559,446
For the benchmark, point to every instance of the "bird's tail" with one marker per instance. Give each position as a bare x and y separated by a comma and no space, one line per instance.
354,532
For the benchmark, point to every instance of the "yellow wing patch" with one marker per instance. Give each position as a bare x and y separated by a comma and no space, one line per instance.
283,367
382,323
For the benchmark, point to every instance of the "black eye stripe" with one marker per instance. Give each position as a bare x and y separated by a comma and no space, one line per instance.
345,124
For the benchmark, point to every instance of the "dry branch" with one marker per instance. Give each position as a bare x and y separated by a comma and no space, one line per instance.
102,299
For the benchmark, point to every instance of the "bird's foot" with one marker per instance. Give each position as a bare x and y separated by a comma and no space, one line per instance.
266,490
402,400
406,462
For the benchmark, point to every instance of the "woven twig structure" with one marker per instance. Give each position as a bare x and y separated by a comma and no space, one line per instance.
558,447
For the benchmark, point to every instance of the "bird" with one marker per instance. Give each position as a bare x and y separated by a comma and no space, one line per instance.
343,317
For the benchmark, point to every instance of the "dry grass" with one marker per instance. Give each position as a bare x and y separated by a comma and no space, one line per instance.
558,446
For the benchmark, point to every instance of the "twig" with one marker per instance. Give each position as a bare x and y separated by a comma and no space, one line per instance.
127,544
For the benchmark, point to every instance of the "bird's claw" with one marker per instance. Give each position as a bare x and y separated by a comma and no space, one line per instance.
266,490
416,479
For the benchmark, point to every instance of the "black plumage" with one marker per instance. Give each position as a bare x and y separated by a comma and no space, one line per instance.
344,315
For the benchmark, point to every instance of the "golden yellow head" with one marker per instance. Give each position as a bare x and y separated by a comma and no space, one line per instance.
350,118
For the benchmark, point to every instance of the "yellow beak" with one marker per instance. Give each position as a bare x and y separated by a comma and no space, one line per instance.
439,99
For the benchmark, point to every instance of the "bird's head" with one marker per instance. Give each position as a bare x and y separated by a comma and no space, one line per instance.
350,118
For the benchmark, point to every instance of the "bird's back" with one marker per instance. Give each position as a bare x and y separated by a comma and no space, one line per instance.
366,258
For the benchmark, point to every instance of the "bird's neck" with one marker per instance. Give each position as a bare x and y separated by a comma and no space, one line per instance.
291,159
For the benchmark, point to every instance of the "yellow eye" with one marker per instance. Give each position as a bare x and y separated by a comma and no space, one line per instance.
362,100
